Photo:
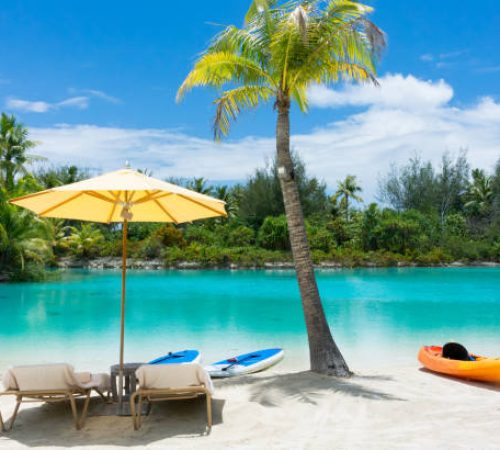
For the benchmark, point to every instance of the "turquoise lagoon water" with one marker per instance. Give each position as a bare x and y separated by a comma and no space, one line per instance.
378,316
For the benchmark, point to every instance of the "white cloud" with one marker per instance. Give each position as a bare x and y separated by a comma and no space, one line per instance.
488,69
165,152
42,106
25,105
396,91
364,143
77,102
81,101
453,54
95,93
427,57
440,57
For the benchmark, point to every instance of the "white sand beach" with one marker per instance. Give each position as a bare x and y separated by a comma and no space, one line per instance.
395,408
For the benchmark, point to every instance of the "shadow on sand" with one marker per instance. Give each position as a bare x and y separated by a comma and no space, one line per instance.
307,387
52,425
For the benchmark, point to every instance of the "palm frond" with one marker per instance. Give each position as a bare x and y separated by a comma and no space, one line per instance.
299,94
258,8
219,68
239,41
339,48
232,102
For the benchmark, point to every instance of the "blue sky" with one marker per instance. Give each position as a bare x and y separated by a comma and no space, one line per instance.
109,71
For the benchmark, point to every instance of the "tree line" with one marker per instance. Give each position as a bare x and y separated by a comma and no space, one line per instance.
426,214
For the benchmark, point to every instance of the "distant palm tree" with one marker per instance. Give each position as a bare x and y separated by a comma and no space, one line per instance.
229,196
222,192
200,185
58,176
346,191
147,172
282,49
14,144
480,194
84,241
22,238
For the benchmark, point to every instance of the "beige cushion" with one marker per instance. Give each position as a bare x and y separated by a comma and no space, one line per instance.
101,381
52,377
83,377
173,376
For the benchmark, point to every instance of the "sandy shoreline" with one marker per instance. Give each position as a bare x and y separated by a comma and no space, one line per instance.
399,407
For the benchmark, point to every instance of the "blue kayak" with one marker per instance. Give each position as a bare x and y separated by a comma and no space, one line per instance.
247,363
184,356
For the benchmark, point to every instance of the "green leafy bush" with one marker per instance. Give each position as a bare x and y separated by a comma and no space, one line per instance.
273,234
241,236
320,238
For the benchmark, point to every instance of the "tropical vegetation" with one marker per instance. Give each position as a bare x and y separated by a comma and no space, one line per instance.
404,227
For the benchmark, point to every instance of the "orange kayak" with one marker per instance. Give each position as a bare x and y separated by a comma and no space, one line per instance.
481,369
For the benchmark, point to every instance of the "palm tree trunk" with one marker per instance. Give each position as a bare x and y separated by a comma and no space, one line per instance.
9,178
325,357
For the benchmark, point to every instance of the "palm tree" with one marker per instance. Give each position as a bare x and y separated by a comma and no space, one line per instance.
23,237
346,190
480,194
281,50
229,196
14,143
58,176
200,185
84,241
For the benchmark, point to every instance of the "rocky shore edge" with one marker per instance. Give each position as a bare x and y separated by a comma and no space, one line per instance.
158,264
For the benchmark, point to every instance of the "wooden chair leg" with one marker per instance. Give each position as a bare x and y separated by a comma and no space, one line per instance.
139,413
133,412
72,402
85,409
104,398
209,412
114,389
19,399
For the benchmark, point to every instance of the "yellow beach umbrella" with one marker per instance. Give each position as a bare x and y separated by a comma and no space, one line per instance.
122,196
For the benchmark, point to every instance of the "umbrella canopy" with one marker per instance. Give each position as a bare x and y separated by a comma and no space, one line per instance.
122,196
107,198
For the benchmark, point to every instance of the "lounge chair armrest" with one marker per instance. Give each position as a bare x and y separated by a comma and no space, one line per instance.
100,381
83,377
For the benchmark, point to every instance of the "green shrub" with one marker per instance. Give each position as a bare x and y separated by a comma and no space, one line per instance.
241,236
320,239
435,256
150,248
84,241
495,251
455,225
199,234
340,230
369,222
273,234
112,248
169,236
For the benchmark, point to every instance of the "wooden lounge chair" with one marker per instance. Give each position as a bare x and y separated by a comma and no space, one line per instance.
170,382
52,383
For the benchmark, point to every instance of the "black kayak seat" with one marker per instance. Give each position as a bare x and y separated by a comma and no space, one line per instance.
454,350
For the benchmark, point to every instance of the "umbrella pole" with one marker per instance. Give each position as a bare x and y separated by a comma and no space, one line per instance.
122,324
